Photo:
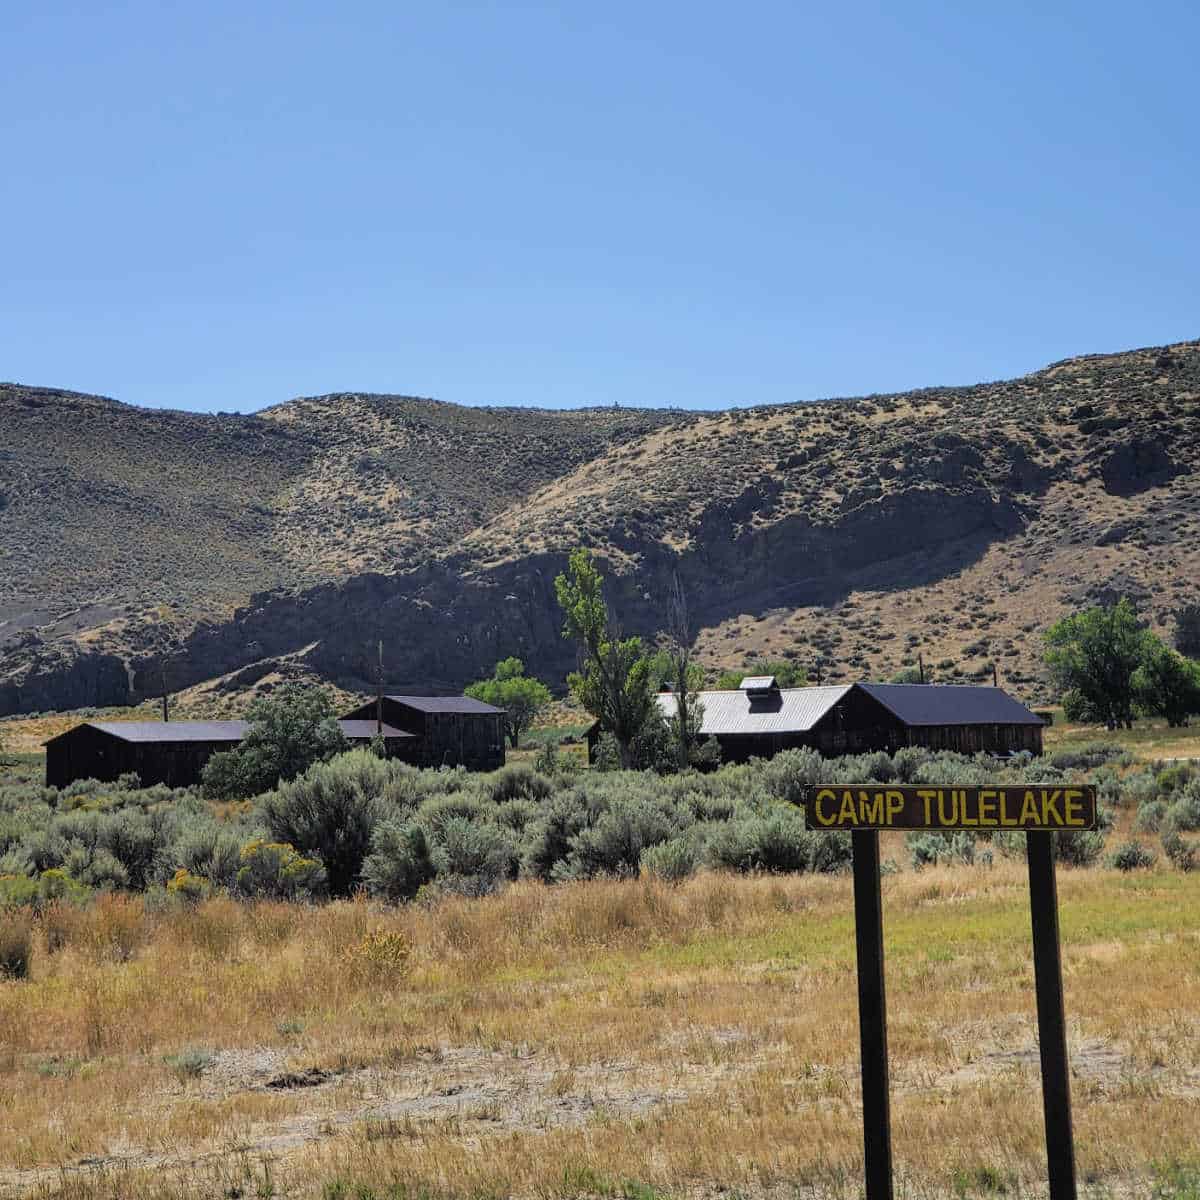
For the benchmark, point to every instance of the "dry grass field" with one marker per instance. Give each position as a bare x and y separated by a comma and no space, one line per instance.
607,1039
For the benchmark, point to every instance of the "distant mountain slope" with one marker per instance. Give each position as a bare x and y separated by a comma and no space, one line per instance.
113,512
952,521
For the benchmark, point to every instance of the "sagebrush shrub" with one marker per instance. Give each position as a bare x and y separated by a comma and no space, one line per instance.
475,850
672,860
274,870
1094,754
1131,856
1150,816
1181,853
330,813
209,852
1184,812
775,842
519,783
613,845
399,864
185,886
548,840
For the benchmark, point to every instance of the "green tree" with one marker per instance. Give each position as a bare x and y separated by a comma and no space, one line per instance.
521,696
787,674
613,681
287,733
1187,630
1167,685
1093,656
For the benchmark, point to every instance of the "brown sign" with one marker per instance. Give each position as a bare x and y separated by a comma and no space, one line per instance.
1018,808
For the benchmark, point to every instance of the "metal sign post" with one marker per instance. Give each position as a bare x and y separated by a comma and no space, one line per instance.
1039,812
872,1015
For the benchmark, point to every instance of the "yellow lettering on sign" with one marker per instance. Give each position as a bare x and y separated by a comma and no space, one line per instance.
962,809
872,809
1029,810
1050,807
947,817
1005,819
822,795
927,795
1073,803
895,803
987,807
847,814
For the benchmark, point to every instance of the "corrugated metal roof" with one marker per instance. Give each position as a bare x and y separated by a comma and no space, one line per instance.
367,729
950,704
446,704
173,731
757,683
165,732
789,710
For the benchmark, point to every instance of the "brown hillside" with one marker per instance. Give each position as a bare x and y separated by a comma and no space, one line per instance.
954,521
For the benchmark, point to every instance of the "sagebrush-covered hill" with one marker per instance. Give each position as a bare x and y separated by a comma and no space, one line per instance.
228,551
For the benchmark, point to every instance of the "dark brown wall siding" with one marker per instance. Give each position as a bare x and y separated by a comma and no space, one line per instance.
472,740
86,753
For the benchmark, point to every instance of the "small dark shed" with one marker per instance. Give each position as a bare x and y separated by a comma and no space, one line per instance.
170,752
446,731
760,719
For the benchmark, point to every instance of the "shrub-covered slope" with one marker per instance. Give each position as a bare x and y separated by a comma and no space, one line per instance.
953,522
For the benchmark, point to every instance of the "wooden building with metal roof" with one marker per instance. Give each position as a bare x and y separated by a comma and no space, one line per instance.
445,731
759,719
170,752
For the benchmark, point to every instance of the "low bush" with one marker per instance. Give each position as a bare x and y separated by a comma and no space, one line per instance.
1181,853
775,842
1150,816
361,821
1184,812
185,886
274,870
519,783
1131,856
474,857
382,955
613,844
1172,779
1094,754
330,813
672,860
399,864
935,849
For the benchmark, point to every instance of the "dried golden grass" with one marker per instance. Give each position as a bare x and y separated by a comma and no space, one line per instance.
709,1029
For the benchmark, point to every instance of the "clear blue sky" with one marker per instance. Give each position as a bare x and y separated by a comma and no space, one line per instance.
223,205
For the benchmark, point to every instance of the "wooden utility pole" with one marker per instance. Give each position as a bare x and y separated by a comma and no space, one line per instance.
163,667
921,665
379,693
995,674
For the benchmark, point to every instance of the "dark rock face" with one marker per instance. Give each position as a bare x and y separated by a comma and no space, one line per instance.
55,680
1135,466
443,626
